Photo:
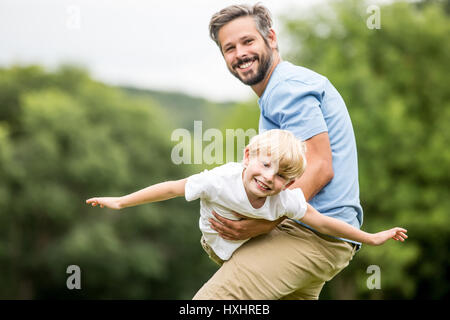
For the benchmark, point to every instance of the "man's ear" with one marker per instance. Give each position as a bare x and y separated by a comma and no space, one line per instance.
272,39
289,184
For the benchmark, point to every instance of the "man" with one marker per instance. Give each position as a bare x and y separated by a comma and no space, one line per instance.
285,259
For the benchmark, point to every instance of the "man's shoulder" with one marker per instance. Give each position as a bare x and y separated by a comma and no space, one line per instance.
289,78
288,72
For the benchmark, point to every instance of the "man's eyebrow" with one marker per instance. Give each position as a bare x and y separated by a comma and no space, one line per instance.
246,37
228,44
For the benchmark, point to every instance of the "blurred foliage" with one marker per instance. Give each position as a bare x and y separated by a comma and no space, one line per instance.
65,137
395,84
184,109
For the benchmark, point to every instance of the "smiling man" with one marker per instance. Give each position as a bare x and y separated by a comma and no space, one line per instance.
248,56
286,259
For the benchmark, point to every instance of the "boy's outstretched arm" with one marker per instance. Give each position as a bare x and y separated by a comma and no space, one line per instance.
158,192
337,228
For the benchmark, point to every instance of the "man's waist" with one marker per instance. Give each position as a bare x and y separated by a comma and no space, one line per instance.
327,237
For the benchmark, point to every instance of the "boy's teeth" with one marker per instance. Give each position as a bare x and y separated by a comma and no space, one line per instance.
261,185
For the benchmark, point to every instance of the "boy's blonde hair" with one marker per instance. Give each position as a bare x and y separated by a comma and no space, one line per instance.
283,148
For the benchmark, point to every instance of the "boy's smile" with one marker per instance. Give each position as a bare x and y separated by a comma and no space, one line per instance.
262,185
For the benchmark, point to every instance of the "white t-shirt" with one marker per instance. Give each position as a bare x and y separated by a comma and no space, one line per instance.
222,190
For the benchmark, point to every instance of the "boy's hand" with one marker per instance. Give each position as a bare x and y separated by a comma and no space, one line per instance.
109,202
398,234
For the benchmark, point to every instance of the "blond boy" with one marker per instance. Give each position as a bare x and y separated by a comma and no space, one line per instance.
256,188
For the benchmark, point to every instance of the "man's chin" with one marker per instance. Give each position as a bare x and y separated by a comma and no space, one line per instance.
251,81
246,79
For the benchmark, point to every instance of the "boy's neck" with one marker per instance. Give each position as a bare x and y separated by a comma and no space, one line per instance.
256,203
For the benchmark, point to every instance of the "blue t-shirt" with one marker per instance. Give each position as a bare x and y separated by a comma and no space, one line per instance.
306,103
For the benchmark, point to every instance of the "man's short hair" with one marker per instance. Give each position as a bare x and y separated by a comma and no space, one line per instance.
260,13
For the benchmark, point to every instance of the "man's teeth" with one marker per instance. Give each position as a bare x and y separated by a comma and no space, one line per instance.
245,65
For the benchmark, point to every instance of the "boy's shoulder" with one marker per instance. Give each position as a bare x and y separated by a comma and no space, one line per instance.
290,195
292,203
227,169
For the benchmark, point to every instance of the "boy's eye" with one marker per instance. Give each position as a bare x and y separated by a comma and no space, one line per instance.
265,164
281,176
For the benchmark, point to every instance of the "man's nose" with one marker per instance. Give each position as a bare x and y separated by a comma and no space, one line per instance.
241,52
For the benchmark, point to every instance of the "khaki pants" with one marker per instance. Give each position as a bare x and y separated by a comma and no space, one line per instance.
291,262
212,255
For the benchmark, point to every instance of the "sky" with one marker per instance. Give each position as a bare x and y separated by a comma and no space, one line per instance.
152,44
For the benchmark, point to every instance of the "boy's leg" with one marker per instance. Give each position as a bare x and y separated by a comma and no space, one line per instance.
289,259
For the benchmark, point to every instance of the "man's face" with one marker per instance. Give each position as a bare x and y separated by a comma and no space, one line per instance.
246,54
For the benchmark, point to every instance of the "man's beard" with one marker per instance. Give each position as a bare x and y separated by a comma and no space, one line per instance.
265,62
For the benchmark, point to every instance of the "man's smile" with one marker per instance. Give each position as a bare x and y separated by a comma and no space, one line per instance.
245,64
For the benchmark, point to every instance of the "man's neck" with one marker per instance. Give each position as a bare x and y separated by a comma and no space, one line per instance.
261,86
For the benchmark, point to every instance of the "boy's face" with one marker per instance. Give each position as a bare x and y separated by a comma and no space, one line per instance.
261,178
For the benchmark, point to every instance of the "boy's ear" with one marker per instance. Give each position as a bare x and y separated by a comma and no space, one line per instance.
289,184
246,159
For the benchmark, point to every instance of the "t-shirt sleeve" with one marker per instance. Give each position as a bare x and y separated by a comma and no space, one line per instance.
295,204
295,106
198,186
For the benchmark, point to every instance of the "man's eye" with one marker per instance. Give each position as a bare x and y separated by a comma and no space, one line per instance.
248,41
265,164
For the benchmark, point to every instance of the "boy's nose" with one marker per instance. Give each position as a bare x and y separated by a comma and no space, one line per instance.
268,175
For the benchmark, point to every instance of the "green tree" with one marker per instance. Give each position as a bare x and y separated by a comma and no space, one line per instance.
395,84
65,138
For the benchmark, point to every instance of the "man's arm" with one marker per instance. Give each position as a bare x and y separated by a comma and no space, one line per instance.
242,229
319,171
319,167
158,192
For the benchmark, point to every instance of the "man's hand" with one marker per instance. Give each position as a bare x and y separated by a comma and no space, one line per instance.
242,229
